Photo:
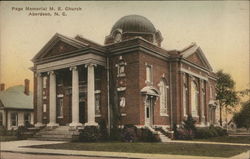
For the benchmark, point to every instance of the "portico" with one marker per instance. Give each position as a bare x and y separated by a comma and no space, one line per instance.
61,82
53,96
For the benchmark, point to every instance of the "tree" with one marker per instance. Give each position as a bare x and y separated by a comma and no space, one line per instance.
225,93
242,118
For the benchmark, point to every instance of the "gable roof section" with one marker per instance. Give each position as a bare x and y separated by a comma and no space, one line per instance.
70,43
194,54
15,98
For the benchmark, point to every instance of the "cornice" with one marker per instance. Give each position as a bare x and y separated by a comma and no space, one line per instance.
79,52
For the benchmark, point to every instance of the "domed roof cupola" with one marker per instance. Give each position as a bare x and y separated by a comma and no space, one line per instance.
134,23
131,26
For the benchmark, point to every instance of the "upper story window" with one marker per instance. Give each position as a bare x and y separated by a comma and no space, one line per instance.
44,81
163,97
149,74
194,98
44,108
122,102
211,92
121,67
185,95
118,37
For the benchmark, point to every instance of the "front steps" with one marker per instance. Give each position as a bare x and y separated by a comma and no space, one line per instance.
61,133
162,133
163,137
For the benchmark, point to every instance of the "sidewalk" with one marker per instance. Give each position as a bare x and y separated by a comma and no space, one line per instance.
17,146
208,142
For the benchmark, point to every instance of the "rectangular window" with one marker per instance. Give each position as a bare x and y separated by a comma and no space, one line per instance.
147,112
60,107
149,77
44,81
27,118
13,119
44,108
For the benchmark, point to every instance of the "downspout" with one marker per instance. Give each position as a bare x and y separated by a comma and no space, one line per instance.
171,95
109,116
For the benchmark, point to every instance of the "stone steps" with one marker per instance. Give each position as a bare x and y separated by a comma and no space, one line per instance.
49,139
163,138
54,135
60,133
162,133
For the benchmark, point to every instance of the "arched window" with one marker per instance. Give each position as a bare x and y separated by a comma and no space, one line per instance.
185,90
194,98
185,94
163,98
203,99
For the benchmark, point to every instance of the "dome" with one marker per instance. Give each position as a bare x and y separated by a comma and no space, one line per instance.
134,23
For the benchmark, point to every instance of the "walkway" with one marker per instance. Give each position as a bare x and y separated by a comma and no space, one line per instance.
17,146
207,142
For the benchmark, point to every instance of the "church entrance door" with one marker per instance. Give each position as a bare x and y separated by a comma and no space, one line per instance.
82,112
149,111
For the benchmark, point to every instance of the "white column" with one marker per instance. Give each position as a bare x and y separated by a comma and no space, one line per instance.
39,108
75,98
52,99
91,96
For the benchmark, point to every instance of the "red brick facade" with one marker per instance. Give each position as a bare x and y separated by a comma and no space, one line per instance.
121,68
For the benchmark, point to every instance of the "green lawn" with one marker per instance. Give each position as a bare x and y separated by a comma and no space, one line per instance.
154,148
229,139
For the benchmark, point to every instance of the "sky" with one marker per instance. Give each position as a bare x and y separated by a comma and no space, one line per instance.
220,28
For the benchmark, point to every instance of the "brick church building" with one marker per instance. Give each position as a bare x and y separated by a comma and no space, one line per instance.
78,82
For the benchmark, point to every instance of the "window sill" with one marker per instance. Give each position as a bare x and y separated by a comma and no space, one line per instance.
121,89
98,115
121,75
123,114
60,117
166,115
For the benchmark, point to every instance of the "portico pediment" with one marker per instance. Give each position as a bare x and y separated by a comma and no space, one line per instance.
58,45
195,55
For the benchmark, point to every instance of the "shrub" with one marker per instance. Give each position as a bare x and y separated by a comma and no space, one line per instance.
221,131
189,124
129,133
204,133
90,134
188,130
147,136
115,134
176,133
184,134
20,132
103,130
3,131
213,131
